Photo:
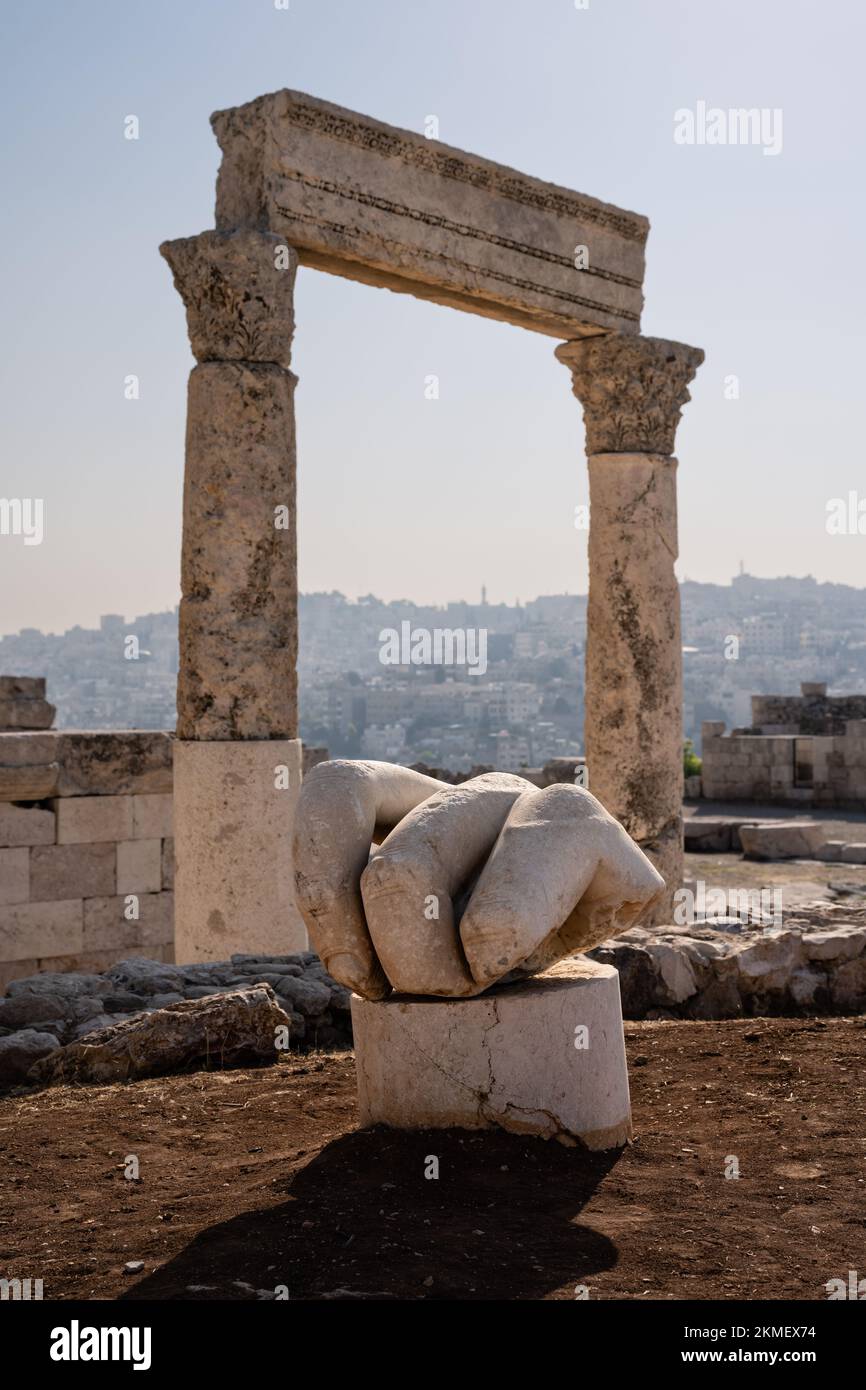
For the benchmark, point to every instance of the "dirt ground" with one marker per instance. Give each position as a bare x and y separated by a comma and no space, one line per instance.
801,880
250,1180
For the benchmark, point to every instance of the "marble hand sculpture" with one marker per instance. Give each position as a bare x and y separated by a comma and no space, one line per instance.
410,884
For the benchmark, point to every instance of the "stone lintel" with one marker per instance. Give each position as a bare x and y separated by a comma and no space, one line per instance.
632,390
390,207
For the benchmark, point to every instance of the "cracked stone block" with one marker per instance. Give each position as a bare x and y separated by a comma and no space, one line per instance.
543,1057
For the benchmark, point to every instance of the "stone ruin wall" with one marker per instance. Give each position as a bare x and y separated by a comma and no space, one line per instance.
85,823
756,767
808,714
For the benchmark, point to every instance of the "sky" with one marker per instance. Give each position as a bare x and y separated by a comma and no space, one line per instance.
756,258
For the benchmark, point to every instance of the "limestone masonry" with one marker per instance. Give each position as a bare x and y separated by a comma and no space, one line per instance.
390,207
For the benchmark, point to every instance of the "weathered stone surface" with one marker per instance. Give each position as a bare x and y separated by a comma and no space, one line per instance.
848,985
24,1010
853,854
71,871
633,729
390,207
834,945
306,996
55,983
484,840
676,972
705,835
93,819
94,1024
428,859
632,389
238,613
141,976
14,876
234,819
720,998
28,781
36,930
25,825
782,840
22,687
168,864
234,1029
597,883
637,975
545,1057
110,923
20,713
766,964
805,985
20,1050
139,866
152,816
115,763
336,818
238,288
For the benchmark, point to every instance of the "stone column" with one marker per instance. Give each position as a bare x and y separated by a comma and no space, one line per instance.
237,759
633,390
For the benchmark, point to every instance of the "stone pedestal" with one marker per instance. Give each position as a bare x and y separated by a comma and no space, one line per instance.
544,1057
633,390
234,807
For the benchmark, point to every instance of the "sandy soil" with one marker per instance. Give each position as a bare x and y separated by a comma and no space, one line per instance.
254,1179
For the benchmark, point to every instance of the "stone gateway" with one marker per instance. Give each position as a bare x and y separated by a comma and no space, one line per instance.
305,182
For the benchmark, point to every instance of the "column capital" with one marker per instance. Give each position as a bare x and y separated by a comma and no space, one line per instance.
632,390
238,288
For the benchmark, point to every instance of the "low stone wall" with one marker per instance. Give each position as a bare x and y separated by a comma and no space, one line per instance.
814,964
43,1011
756,766
86,850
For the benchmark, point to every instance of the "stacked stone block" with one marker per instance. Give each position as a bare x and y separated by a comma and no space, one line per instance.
761,767
86,864
23,704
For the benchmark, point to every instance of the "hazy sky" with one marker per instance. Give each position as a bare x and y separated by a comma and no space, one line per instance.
755,258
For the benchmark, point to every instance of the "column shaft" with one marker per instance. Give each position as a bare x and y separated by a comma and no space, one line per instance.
237,760
632,390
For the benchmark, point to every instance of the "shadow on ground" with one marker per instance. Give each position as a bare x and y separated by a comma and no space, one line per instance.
361,1219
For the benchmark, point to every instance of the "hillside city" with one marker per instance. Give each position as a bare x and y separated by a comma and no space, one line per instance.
375,680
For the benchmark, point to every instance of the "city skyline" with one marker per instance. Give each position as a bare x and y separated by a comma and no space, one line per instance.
90,623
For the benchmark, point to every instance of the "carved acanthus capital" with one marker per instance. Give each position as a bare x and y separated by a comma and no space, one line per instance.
238,288
632,390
